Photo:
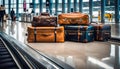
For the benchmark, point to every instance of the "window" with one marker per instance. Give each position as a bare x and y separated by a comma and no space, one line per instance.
96,11
110,11
1,2
86,6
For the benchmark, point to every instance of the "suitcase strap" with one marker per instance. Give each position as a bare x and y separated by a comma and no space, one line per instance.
78,33
35,34
55,32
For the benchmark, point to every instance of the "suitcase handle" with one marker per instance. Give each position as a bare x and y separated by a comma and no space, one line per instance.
95,23
45,35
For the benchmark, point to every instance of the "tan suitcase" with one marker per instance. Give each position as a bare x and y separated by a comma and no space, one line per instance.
73,18
45,34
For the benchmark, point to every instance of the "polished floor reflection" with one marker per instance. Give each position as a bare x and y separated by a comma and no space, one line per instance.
93,55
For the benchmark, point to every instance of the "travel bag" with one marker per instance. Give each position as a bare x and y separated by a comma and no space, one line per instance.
44,19
73,18
45,34
102,31
79,33
40,21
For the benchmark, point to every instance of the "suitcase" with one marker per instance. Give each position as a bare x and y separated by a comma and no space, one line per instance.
79,33
45,34
73,18
45,14
44,21
102,32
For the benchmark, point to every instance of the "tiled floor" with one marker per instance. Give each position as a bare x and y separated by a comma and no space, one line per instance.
93,55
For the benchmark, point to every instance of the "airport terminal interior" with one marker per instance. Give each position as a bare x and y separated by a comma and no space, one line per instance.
19,51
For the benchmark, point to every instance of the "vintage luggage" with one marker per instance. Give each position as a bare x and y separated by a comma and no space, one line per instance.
73,18
44,21
45,34
102,31
45,14
79,33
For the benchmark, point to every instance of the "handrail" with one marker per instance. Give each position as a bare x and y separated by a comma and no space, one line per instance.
41,60
22,56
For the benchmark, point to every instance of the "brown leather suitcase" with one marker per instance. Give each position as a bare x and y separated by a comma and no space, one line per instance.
45,14
45,34
44,21
73,18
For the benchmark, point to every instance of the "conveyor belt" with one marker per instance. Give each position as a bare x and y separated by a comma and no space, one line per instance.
6,59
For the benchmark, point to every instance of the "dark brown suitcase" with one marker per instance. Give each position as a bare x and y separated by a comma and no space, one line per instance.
45,34
45,14
41,21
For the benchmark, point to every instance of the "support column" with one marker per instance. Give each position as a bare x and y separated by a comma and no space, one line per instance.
41,5
117,15
90,9
75,5
50,7
9,6
68,6
33,1
3,2
63,6
80,5
56,7
17,7
103,4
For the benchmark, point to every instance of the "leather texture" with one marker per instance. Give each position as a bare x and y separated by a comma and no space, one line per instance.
73,18
45,34
45,14
44,20
79,33
102,32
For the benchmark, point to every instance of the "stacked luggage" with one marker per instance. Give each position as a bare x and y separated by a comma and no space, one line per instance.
78,28
75,25
44,29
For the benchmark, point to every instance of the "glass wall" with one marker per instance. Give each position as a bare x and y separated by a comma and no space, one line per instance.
44,6
1,2
37,6
65,6
13,5
6,6
27,6
96,11
53,7
86,6
69,5
77,6
59,6
110,11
